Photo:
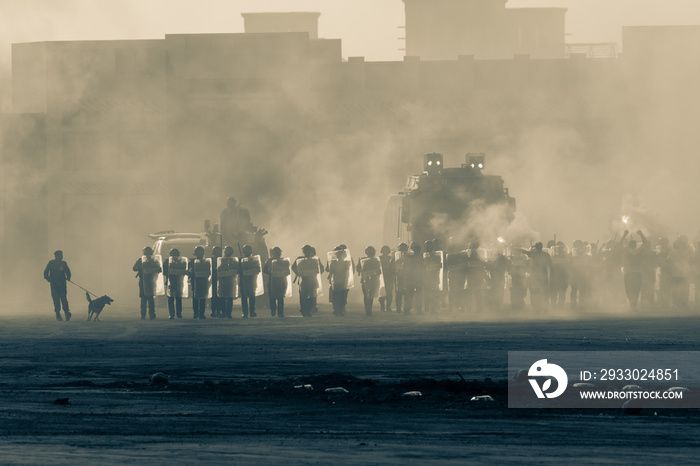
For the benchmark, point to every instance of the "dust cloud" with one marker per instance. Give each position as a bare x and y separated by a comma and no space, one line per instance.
619,139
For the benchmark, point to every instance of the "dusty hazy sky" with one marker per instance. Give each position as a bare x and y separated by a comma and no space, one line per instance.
368,28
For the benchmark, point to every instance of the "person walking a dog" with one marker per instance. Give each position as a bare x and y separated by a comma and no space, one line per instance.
148,269
57,273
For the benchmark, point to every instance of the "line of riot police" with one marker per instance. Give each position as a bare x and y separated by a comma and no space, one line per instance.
426,280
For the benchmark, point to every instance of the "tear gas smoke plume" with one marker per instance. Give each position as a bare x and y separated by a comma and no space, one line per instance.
579,147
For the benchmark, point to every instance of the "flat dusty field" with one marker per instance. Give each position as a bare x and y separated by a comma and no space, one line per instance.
79,393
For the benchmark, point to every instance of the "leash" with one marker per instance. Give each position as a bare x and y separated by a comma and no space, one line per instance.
84,289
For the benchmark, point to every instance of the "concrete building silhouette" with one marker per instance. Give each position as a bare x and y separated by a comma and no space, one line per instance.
486,29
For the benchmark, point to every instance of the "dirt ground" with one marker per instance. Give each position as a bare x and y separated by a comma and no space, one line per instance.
79,393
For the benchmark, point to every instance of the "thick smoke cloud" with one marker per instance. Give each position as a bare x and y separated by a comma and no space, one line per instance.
622,142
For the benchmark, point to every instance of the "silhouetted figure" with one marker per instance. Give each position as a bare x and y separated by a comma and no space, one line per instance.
559,279
279,272
148,270
517,269
497,268
175,275
609,278
400,261
663,259
456,267
632,271
340,270
57,273
227,275
648,264
389,272
540,271
416,277
308,270
234,222
217,308
680,271
476,278
250,270
581,270
200,276
370,270
432,282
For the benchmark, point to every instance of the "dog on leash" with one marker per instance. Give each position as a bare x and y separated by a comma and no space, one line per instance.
96,305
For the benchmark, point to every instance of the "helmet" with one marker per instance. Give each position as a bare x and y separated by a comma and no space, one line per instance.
385,250
247,249
306,248
228,251
174,252
148,250
276,251
403,247
199,251
216,251
231,202
370,251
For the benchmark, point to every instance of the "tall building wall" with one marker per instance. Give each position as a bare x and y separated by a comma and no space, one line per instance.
486,29
282,22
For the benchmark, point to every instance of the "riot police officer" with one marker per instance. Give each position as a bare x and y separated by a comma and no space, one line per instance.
227,275
148,270
370,269
308,270
432,279
175,275
540,272
476,278
401,276
456,268
200,274
216,306
249,271
389,273
415,277
340,268
278,270
497,268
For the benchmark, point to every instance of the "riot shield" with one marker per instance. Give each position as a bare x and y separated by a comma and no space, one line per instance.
227,274
580,251
372,280
340,269
151,273
435,266
280,268
308,268
201,278
251,274
177,277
